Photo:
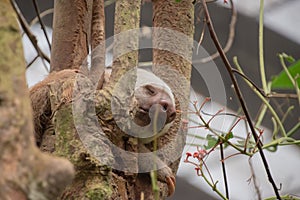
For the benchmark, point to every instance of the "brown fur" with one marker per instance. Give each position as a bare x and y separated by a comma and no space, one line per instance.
40,101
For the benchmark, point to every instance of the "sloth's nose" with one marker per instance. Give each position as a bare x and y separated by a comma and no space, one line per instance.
169,108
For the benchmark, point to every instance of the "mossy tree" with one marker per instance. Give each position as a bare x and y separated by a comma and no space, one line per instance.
78,25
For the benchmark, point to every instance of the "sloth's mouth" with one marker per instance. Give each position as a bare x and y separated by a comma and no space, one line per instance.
157,114
142,117
146,115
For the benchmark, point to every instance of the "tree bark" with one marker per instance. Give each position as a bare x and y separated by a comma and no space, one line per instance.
81,142
98,43
172,59
26,173
71,25
125,55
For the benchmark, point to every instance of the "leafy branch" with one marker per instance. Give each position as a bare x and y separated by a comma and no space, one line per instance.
246,145
240,97
219,140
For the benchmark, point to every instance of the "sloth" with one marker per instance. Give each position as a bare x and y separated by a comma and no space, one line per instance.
154,106
154,111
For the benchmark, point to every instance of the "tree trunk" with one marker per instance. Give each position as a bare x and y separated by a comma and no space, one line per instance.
98,43
172,58
71,25
26,173
125,55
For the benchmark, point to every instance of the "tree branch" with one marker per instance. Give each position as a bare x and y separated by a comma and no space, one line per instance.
28,32
240,97
36,8
230,36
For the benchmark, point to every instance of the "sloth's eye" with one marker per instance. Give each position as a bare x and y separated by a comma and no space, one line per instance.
150,90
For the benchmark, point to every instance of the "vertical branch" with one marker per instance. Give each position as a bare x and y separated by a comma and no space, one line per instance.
97,41
254,180
261,47
224,170
127,18
173,43
125,46
261,61
262,96
98,23
70,34
173,32
240,97
166,15
173,47
125,58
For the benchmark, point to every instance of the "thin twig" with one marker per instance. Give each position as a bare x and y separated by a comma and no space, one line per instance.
230,36
248,79
261,48
215,132
282,95
28,32
213,186
232,155
254,180
33,60
42,15
240,97
224,170
37,10
265,87
201,38
294,129
220,114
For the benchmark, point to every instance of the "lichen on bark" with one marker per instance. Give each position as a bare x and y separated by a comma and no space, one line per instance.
93,177
26,173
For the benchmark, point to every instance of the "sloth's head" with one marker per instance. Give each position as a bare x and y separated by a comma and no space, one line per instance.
155,104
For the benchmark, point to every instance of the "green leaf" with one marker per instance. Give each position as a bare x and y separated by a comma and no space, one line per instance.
228,136
211,142
282,80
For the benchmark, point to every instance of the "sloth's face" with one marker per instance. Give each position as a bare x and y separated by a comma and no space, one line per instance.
153,103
